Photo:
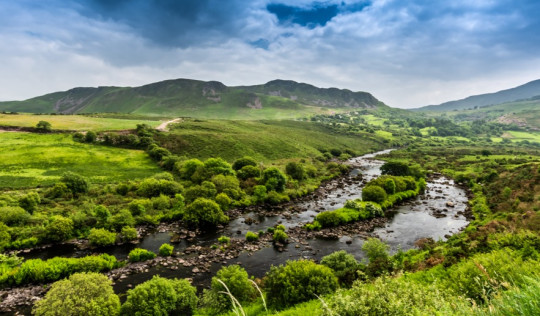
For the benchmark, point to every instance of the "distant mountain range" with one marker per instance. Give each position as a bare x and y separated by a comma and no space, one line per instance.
181,96
527,91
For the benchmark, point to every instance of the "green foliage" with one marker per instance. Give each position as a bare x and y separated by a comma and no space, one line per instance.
151,187
295,170
81,294
59,190
160,296
44,126
259,193
90,137
343,264
139,254
121,219
101,237
59,228
251,236
5,236
204,213
75,182
280,236
248,172
298,281
354,210
206,190
377,253
395,168
30,202
237,281
13,215
102,214
223,200
166,250
243,162
374,193
129,233
224,240
389,186
187,168
39,271
274,180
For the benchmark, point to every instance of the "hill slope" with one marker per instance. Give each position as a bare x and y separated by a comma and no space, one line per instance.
525,91
211,99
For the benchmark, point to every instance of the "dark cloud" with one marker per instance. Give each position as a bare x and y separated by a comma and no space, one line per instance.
172,23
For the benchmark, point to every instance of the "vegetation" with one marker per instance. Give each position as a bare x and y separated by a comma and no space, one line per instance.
139,254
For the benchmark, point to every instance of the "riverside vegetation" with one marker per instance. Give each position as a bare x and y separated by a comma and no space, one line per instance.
103,187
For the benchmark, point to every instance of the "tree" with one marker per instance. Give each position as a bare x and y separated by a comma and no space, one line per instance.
160,296
244,161
344,265
75,182
237,281
81,294
204,213
44,126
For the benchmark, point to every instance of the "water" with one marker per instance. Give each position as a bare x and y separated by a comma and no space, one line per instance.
413,220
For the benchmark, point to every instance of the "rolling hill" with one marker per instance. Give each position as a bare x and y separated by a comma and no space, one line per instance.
210,99
526,91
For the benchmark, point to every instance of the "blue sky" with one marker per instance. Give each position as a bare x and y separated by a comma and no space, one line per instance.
405,52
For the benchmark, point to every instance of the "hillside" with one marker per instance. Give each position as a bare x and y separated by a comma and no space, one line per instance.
526,91
183,97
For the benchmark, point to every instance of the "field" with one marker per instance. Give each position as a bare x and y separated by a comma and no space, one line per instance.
30,160
263,140
73,122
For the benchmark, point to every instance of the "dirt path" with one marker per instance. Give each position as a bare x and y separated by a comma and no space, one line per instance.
163,126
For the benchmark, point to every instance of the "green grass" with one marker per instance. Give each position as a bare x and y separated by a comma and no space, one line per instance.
263,140
530,136
73,122
29,160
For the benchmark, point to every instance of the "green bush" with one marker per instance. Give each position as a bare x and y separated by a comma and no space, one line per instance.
240,163
298,281
274,180
395,168
248,172
206,190
160,296
151,187
29,202
328,219
5,236
390,186
102,214
295,170
121,219
280,236
59,190
237,281
101,237
374,193
59,228
377,253
251,236
223,200
274,197
75,183
129,233
224,240
81,294
166,250
204,213
187,168
343,264
14,215
139,254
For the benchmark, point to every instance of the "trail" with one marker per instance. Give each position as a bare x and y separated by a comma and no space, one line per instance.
163,126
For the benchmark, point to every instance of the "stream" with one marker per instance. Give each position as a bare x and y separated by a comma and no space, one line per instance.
437,213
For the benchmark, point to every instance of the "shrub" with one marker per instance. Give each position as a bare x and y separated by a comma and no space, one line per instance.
161,202
137,207
101,237
13,215
240,163
274,197
121,219
151,187
298,281
187,168
374,193
328,219
5,236
204,213
129,233
75,183
224,240
223,200
29,202
390,186
81,294
344,265
59,228
273,179
205,190
295,170
102,214
335,152
248,172
280,236
237,281
90,137
377,253
44,126
160,296
59,190
166,250
139,254
395,168
251,236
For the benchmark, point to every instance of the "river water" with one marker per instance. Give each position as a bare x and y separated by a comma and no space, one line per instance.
411,221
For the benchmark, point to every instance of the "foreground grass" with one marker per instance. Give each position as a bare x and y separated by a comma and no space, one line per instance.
29,160
74,122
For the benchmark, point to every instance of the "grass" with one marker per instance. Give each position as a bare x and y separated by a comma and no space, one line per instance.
263,140
30,160
530,136
73,122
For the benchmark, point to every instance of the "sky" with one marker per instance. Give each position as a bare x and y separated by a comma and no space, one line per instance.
407,53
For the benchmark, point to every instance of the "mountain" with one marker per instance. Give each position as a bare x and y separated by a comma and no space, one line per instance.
185,97
526,91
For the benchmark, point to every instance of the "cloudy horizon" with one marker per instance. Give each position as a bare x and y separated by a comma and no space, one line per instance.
406,53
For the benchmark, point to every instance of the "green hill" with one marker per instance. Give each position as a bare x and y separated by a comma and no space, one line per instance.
183,97
526,91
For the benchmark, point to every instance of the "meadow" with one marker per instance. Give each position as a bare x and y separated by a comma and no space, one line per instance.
74,122
30,160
